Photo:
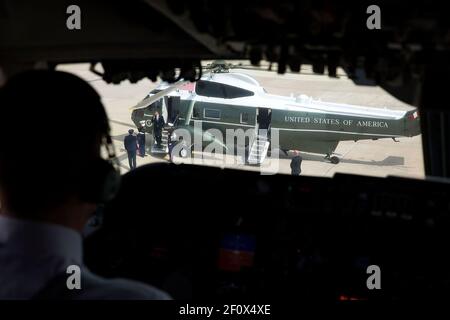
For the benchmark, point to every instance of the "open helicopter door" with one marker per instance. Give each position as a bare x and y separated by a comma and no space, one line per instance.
169,110
163,147
260,143
263,118
173,106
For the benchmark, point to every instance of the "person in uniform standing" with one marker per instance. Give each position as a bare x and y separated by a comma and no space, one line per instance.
141,141
158,125
296,164
130,143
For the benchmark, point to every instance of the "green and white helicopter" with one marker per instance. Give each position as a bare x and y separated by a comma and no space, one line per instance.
223,99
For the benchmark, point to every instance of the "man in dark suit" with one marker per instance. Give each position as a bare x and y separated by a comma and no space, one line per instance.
141,141
158,125
296,164
130,143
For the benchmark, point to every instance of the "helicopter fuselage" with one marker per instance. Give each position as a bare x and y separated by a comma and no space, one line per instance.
236,101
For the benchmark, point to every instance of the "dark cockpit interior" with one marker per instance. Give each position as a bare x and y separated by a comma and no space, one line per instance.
309,238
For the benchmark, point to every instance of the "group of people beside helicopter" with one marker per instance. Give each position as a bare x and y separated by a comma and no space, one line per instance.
135,144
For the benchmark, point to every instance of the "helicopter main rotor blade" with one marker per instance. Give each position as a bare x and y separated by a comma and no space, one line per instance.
149,100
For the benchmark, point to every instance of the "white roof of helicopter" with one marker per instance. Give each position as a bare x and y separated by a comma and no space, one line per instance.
299,103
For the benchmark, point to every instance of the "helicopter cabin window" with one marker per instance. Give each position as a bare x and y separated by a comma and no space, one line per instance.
244,117
210,89
232,92
212,114
219,90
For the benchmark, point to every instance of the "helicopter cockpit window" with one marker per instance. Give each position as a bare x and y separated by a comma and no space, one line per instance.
210,89
232,92
212,114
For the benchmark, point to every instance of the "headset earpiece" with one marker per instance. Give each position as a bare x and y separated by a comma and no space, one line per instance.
102,182
102,177
111,183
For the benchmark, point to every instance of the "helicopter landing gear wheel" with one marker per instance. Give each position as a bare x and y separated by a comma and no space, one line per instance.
334,160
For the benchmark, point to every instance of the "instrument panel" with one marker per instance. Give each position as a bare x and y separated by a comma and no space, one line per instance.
210,234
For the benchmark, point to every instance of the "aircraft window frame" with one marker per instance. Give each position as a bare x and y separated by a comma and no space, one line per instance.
214,110
241,118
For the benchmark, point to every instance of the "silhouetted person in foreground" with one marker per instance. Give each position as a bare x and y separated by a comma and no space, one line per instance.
45,203
296,164
131,146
